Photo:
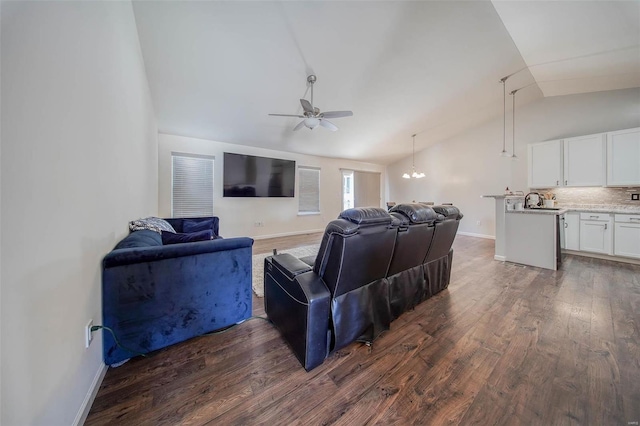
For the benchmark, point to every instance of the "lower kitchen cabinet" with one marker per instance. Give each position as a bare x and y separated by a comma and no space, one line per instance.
596,233
572,231
627,235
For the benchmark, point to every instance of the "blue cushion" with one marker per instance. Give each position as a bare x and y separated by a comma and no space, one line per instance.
191,237
195,225
143,238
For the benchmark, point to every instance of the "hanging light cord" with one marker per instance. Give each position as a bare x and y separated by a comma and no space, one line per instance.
513,125
504,114
413,160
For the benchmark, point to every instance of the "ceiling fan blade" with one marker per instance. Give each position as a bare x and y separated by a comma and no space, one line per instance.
306,105
288,115
329,125
337,114
299,125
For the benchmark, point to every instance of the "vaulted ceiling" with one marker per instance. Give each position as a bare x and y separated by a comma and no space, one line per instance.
217,69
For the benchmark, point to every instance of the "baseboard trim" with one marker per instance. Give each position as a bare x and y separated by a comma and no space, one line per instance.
287,234
500,258
81,417
602,256
471,234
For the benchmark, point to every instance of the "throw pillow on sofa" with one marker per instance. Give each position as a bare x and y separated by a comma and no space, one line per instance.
175,238
152,224
191,225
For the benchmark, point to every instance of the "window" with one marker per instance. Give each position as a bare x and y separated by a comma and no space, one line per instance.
366,189
191,185
347,189
360,189
308,190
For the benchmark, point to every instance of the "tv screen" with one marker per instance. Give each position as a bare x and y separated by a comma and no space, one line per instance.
251,176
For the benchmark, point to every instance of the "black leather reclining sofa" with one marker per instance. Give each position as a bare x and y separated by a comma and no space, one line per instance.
372,266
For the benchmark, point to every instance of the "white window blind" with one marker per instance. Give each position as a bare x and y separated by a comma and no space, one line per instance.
308,190
366,189
191,185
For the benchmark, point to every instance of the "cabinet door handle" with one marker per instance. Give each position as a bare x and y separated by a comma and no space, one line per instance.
557,183
566,182
566,225
594,217
605,226
634,218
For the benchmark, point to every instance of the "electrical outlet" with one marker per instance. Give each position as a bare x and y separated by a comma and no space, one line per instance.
88,336
635,197
256,224
478,223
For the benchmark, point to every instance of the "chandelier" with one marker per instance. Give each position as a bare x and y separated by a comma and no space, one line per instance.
413,174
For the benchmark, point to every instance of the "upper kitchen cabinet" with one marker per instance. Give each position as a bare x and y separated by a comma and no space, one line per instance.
623,157
545,164
584,160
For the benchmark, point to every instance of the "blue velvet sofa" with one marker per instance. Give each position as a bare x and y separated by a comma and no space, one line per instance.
155,295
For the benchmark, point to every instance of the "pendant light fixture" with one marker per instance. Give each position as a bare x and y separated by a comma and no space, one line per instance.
514,157
504,152
413,174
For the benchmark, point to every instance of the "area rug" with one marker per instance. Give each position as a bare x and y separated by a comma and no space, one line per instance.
258,265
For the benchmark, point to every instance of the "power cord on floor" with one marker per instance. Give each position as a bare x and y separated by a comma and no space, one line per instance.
113,334
104,327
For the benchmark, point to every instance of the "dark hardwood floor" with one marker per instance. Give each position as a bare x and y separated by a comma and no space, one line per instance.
505,344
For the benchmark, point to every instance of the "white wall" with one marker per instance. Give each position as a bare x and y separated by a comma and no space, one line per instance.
279,215
79,160
463,168
0,214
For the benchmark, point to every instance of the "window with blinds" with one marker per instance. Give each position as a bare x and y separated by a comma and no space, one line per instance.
308,190
191,185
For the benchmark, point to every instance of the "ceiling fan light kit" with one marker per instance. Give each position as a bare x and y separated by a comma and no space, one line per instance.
312,117
311,122
413,174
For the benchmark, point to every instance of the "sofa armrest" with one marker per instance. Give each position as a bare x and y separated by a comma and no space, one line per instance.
130,256
299,307
290,265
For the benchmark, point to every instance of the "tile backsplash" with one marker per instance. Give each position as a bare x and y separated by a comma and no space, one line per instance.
594,195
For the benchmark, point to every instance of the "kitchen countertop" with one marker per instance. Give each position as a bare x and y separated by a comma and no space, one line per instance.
601,208
591,208
502,196
540,211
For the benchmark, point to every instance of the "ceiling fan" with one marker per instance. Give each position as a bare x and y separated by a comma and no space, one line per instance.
312,117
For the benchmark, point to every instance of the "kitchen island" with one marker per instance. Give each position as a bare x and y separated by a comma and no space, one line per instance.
532,237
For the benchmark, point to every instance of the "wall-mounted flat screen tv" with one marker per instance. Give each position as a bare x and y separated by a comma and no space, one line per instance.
251,176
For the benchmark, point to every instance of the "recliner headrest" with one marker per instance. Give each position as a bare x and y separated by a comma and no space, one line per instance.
398,219
449,212
366,215
417,213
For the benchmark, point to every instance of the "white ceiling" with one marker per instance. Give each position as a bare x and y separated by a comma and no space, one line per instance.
576,47
216,69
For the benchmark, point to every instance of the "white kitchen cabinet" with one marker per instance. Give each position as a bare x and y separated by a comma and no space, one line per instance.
545,164
584,160
572,231
627,235
623,157
596,233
